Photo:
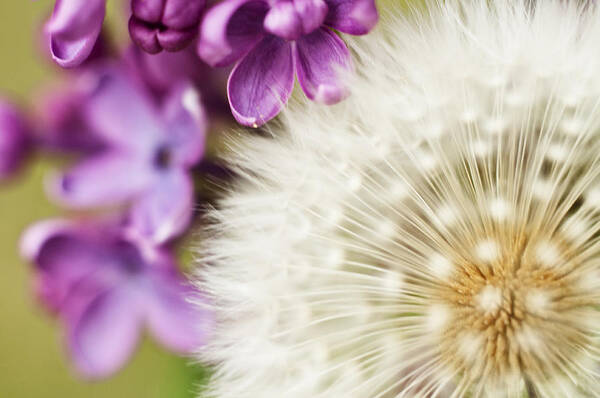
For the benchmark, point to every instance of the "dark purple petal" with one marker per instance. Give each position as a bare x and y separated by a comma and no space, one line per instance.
165,209
175,40
322,58
121,113
261,84
103,335
282,20
144,35
61,261
73,30
104,179
355,17
182,14
14,139
230,29
172,318
312,14
148,10
186,125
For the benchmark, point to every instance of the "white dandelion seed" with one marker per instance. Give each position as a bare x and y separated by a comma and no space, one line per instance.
461,261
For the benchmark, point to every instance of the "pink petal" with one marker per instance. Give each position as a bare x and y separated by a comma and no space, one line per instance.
73,29
103,336
230,29
322,58
165,210
355,17
261,84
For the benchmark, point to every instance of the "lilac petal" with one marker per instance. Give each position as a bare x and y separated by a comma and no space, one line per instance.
122,113
321,60
283,21
144,35
187,124
163,71
355,17
73,30
105,179
165,210
173,320
59,111
261,84
230,29
61,259
148,10
14,139
175,40
182,14
104,334
312,13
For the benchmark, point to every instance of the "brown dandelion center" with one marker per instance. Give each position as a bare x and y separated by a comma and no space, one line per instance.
514,308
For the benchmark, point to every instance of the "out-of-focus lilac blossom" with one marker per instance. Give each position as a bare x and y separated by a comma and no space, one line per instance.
14,139
62,124
273,40
160,72
73,30
106,288
170,25
148,153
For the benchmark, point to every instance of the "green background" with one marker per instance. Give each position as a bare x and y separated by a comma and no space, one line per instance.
33,362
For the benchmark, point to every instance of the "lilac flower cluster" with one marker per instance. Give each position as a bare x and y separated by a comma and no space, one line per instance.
136,127
135,124
270,42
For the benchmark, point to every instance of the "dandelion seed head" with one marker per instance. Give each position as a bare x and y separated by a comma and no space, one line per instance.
435,235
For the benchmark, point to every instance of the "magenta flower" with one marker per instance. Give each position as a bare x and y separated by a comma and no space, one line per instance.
105,289
148,153
274,40
73,30
14,139
170,25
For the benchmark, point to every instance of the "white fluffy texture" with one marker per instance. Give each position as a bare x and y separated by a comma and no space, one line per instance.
470,127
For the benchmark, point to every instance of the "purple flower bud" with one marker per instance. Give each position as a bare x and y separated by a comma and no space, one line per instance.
164,24
14,139
73,29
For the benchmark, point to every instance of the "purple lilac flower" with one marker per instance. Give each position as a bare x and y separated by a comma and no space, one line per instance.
148,153
58,111
105,289
273,40
170,25
14,139
160,72
73,30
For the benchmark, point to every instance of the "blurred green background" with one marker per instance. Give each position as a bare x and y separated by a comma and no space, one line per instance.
32,354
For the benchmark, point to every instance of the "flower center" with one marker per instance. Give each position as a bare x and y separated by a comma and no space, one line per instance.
163,158
511,307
